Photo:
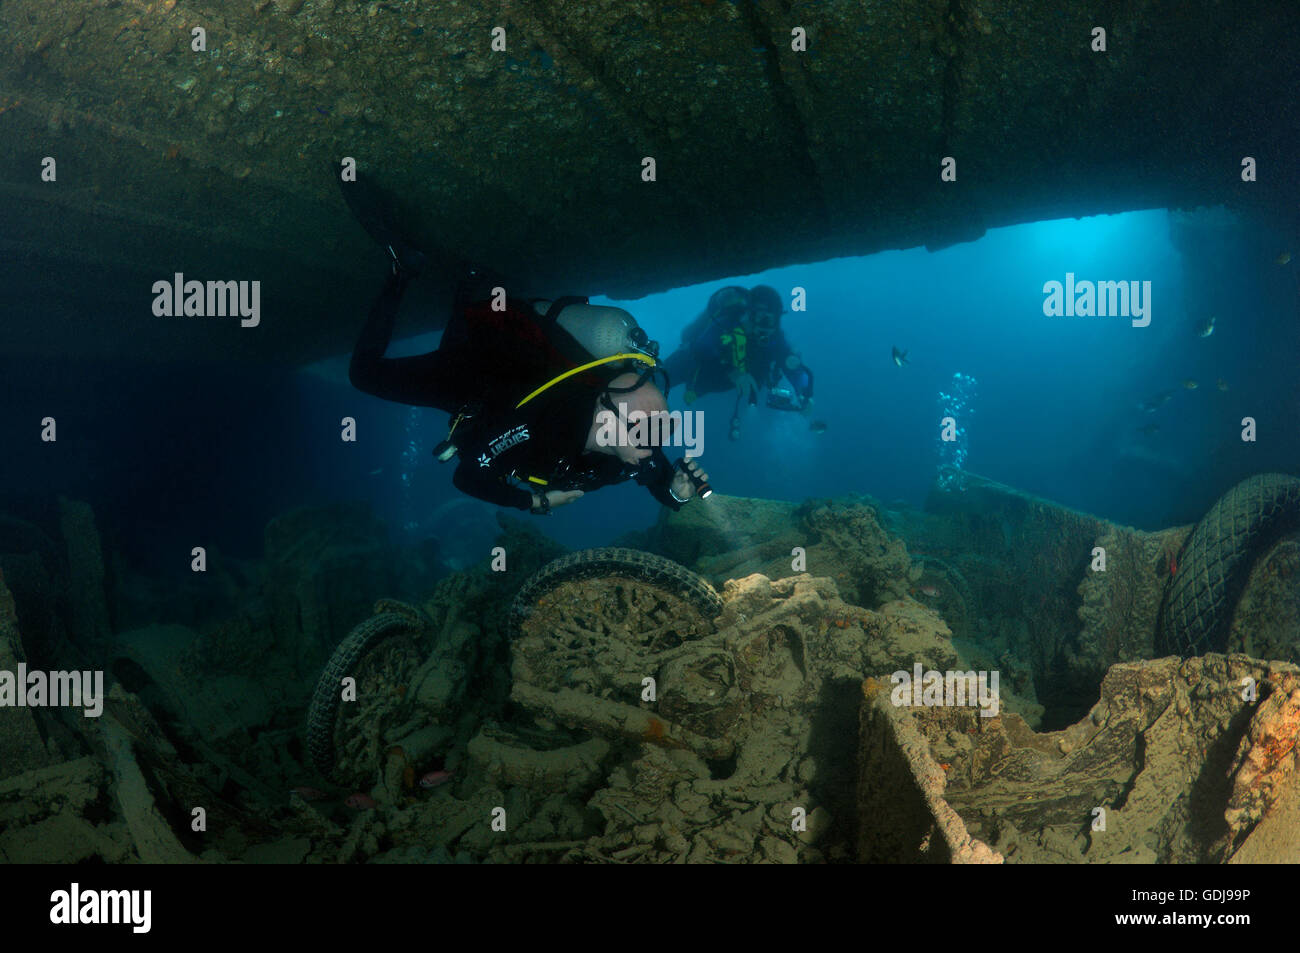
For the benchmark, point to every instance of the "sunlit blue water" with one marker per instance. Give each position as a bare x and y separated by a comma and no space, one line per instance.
1055,411
1057,407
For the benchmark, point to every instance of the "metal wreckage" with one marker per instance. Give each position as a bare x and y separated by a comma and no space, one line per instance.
684,697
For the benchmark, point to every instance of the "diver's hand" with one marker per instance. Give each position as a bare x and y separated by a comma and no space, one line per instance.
807,406
746,384
553,499
682,486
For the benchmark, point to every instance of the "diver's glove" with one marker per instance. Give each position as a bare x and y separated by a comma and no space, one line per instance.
690,480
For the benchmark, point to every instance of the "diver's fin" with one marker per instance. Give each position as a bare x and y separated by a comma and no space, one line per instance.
373,211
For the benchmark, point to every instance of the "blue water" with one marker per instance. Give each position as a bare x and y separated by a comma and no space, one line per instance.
1055,411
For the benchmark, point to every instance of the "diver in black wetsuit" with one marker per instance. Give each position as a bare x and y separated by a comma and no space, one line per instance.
551,447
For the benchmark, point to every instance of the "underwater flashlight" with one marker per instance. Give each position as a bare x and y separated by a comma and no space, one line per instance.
702,489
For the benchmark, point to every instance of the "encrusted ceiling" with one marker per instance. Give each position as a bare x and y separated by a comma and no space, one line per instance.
214,163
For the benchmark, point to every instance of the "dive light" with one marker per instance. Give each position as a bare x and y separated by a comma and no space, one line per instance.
702,489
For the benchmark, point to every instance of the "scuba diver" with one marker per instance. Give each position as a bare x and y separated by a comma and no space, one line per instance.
540,392
738,343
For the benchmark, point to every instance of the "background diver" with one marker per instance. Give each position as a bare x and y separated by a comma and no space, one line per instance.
737,342
526,397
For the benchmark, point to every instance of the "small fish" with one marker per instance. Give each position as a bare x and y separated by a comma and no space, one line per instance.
1190,384
1156,402
323,110
817,426
899,357
1221,384
1149,430
360,802
1205,328
307,794
377,472
433,779
1283,259
930,592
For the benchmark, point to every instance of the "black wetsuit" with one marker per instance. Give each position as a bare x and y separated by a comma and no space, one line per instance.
502,446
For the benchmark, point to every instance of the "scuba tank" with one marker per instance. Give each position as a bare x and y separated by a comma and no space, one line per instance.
603,331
